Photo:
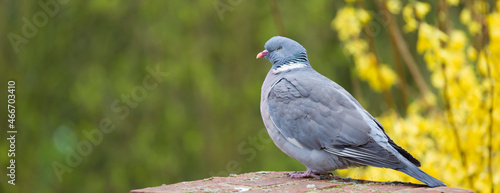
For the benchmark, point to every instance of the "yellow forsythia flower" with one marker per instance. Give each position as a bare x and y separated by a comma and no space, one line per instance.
394,6
474,27
465,16
356,47
363,16
463,77
422,9
346,23
429,37
408,16
453,2
493,22
457,40
481,7
388,77
471,53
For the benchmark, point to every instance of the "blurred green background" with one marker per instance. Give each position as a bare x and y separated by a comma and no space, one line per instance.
201,119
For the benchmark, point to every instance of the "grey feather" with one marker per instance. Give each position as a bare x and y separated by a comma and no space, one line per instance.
322,118
317,122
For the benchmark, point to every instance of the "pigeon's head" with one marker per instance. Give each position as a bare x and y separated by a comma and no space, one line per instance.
281,51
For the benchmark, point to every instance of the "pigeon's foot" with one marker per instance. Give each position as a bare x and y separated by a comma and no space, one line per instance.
305,174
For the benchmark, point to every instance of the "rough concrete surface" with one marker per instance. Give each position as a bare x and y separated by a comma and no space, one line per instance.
280,182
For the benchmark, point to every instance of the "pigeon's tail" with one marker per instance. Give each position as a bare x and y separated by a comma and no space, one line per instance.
420,175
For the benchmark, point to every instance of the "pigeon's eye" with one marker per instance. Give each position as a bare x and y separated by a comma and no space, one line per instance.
279,48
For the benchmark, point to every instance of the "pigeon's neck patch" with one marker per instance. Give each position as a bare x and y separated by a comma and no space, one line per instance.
288,66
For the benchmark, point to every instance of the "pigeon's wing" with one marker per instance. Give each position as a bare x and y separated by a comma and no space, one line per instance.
402,151
311,113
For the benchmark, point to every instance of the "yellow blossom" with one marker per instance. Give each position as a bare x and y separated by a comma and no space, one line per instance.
379,76
465,16
457,40
481,7
453,2
388,77
429,37
482,64
346,23
437,79
431,60
471,53
408,16
364,64
463,78
493,22
394,6
474,27
356,47
363,16
422,9
410,26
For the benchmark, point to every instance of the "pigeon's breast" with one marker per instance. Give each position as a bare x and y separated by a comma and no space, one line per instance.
316,160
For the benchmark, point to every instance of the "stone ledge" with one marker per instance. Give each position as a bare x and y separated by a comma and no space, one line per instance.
279,182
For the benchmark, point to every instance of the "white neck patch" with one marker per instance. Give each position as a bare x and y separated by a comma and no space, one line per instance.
288,66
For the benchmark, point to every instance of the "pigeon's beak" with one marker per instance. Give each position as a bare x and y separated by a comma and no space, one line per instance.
262,54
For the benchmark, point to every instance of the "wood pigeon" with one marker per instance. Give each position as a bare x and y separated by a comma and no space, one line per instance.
317,122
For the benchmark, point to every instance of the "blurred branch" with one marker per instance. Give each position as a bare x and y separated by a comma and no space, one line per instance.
400,71
481,37
484,40
386,93
278,20
404,51
442,11
399,67
443,25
